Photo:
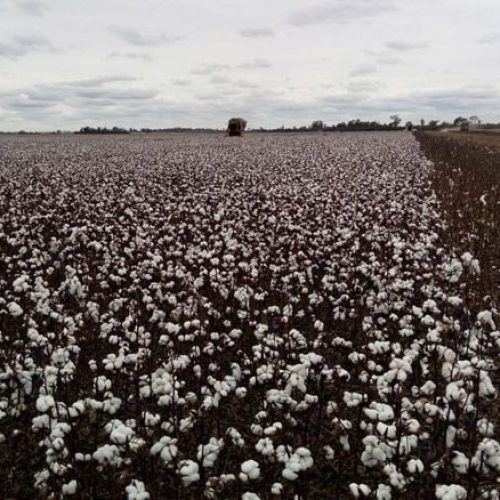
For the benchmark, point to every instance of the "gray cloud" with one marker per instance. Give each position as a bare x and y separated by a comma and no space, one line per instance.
388,60
364,86
78,94
256,32
340,11
32,7
212,68
405,45
99,81
363,70
492,38
140,40
209,68
217,79
181,82
135,56
257,63
21,45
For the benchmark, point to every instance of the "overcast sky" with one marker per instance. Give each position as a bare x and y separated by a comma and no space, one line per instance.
160,63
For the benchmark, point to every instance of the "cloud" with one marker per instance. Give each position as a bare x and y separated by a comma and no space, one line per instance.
134,56
340,11
364,86
21,45
140,40
217,79
79,94
257,63
99,81
363,70
405,45
181,82
388,60
31,7
256,32
489,39
209,68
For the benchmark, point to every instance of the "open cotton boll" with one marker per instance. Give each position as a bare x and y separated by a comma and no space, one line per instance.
276,488
415,466
107,454
45,403
189,472
383,492
249,470
208,453
450,492
136,490
14,309
359,490
460,462
70,488
250,496
166,447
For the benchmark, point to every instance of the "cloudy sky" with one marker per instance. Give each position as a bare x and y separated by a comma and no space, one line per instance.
159,63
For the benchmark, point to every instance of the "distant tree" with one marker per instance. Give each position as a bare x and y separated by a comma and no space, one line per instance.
433,124
395,120
317,125
474,120
409,126
422,122
459,120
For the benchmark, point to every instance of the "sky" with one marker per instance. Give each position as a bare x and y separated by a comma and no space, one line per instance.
65,64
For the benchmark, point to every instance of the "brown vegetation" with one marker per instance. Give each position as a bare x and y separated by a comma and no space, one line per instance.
467,182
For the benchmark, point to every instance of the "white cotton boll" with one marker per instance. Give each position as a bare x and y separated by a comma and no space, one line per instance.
485,428
289,474
454,301
136,490
14,309
45,403
249,496
460,462
388,431
415,466
379,411
352,399
453,392
486,318
450,492
265,446
20,284
398,369
471,264
70,488
249,470
329,452
383,492
189,472
486,387
107,454
209,452
166,447
359,490
319,325
276,488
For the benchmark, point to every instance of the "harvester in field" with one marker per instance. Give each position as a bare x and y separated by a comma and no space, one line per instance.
235,127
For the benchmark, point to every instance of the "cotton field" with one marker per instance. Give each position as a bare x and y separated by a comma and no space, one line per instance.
192,316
